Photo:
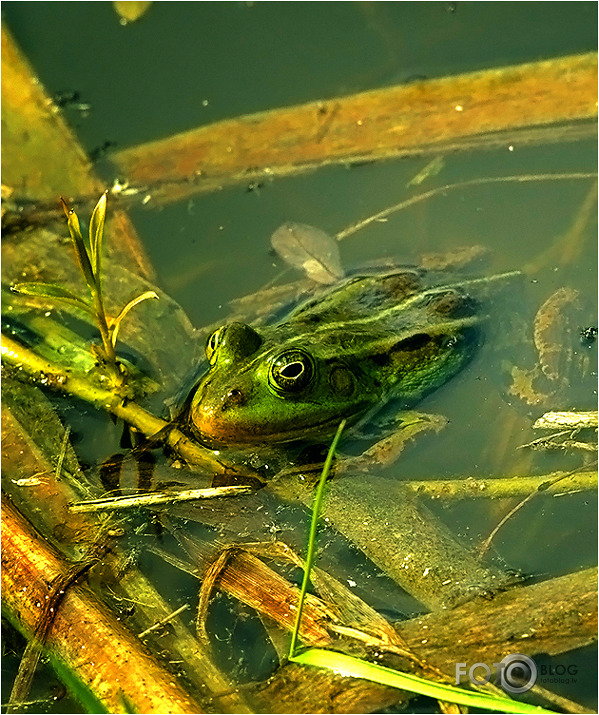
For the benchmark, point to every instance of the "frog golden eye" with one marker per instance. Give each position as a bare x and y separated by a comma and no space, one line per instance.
291,371
212,344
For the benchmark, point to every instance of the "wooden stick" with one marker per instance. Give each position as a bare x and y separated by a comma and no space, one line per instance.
156,498
501,487
439,115
29,363
82,628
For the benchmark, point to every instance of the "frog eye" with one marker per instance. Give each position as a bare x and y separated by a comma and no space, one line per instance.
212,345
291,371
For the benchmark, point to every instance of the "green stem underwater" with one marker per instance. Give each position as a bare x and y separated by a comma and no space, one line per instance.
27,363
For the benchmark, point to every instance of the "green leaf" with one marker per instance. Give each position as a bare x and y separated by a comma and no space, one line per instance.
80,249
52,292
96,234
116,323
357,668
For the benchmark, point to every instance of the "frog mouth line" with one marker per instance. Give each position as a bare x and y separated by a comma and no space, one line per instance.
305,432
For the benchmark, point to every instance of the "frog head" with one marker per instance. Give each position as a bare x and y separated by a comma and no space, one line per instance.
272,387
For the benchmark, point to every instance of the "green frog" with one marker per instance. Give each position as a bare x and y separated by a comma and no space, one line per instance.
343,354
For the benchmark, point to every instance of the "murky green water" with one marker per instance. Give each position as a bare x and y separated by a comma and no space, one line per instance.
190,64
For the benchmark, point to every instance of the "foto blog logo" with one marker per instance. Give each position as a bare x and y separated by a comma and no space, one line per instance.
516,673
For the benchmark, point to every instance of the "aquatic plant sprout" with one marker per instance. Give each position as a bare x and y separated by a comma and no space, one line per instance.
89,259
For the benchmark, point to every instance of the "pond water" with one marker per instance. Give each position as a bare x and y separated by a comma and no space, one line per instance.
184,65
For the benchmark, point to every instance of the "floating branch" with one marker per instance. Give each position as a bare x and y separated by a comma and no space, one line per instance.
440,115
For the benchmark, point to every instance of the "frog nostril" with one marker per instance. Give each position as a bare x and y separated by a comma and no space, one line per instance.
233,398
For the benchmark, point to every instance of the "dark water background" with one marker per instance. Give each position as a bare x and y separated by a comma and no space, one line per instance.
188,64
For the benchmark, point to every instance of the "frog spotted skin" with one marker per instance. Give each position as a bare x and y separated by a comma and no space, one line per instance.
342,354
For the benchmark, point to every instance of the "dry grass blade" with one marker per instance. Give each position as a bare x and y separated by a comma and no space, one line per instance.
138,501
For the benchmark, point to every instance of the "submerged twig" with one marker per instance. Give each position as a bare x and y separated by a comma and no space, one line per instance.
163,621
156,498
524,178
550,442
503,487
483,548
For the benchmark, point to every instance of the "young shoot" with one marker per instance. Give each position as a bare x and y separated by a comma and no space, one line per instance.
89,258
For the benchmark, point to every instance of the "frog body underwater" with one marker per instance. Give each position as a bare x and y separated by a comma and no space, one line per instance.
343,354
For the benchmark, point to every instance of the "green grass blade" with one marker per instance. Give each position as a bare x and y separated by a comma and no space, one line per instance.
80,249
52,292
312,538
356,668
96,234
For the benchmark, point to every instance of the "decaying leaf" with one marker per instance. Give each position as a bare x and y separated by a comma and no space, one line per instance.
309,249
551,328
522,386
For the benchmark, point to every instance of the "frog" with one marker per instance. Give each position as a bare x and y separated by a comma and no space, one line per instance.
388,336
